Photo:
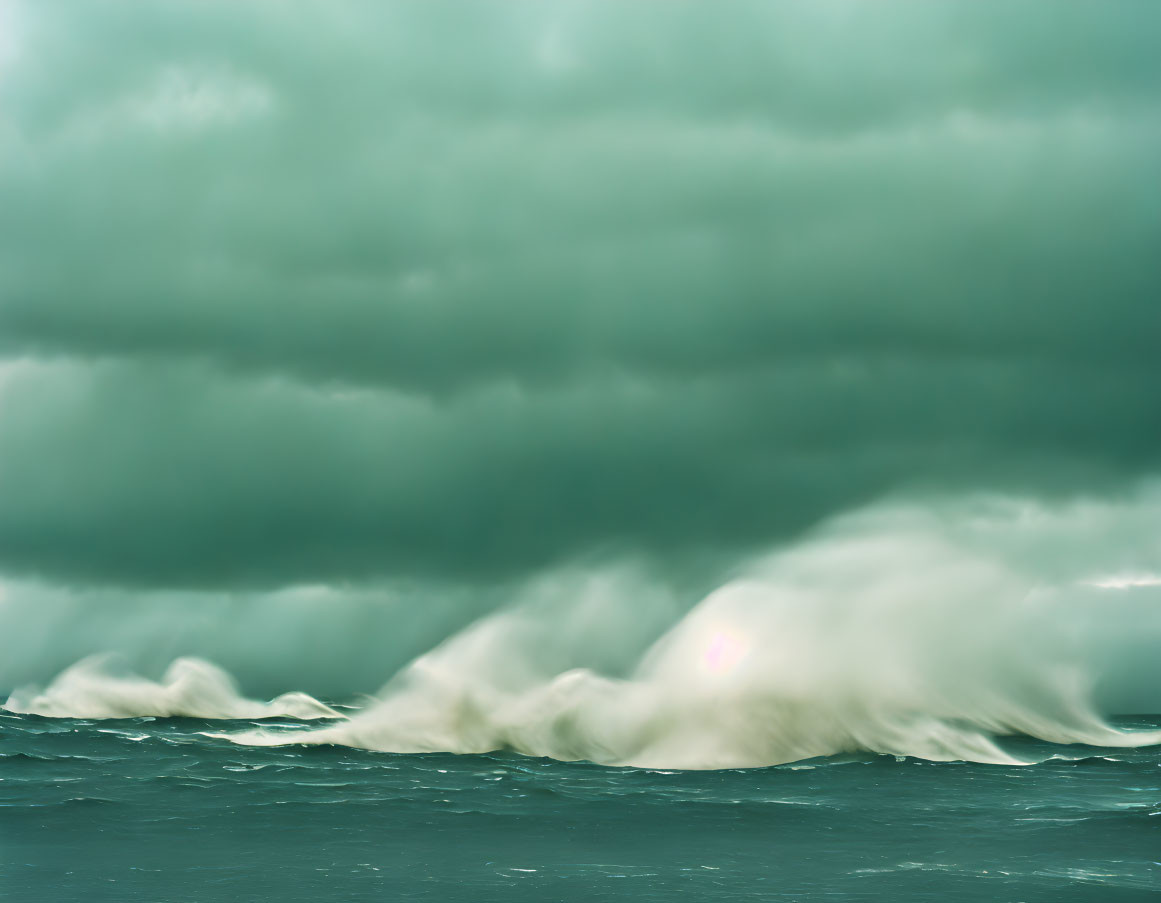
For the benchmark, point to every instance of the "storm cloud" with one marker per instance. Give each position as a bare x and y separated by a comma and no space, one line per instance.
354,294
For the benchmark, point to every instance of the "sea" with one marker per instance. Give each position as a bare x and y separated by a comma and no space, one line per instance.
168,810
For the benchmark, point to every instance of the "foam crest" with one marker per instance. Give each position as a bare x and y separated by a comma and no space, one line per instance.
190,688
894,632
902,630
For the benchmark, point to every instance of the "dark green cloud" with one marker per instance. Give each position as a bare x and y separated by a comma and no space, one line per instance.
134,473
345,292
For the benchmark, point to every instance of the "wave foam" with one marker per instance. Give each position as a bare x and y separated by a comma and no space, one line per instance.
190,688
893,635
895,631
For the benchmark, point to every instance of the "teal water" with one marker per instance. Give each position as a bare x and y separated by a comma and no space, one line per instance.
155,810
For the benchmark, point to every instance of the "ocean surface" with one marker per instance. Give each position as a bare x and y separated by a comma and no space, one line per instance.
157,809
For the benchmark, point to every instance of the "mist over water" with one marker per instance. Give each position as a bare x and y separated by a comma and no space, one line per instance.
908,630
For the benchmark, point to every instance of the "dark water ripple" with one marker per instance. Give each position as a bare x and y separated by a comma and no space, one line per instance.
156,810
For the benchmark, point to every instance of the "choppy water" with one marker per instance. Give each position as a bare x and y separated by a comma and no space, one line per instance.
157,810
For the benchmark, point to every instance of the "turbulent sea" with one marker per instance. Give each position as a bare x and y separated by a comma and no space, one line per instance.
160,809
839,724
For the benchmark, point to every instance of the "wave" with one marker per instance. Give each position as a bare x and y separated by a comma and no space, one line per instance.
896,631
190,688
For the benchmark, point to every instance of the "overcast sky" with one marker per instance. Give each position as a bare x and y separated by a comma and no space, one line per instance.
343,295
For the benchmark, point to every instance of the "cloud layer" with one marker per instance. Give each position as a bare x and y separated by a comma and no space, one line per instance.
326,294
367,294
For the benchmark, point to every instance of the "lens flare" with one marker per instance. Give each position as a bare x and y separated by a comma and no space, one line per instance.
725,652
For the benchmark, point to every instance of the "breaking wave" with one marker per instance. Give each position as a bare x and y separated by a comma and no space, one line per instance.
894,631
190,688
